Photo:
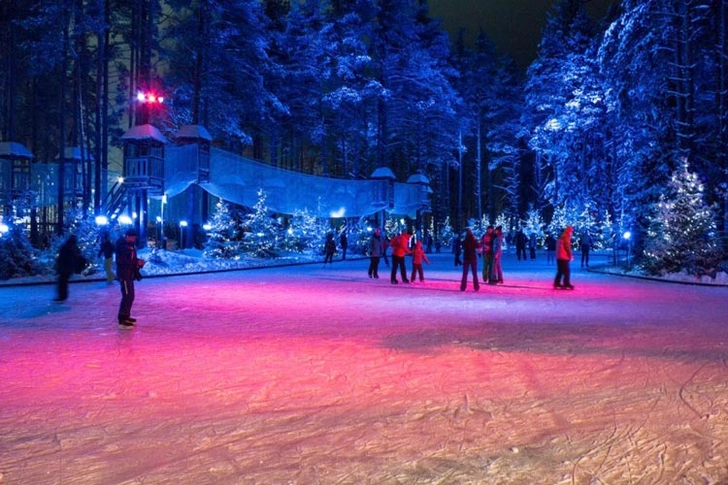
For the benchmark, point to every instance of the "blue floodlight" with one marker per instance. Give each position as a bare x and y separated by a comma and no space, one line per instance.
125,220
183,223
207,226
102,220
4,228
627,235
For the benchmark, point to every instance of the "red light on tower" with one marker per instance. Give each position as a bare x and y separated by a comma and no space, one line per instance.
149,98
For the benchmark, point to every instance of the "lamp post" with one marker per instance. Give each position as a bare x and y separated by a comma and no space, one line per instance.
161,222
182,227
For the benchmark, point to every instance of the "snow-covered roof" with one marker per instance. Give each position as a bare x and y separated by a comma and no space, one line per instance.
13,149
144,132
418,178
383,173
197,132
74,153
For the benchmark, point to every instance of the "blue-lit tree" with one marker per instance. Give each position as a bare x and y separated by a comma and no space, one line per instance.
262,235
225,233
682,233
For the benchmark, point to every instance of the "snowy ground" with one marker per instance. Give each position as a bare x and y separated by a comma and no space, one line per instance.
308,375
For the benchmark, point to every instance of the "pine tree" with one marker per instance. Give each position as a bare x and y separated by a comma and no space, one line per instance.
224,235
305,232
682,233
262,232
17,256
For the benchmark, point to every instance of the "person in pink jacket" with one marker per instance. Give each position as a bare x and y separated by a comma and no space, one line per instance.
418,255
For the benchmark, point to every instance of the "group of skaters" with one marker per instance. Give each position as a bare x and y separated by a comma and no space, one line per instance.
128,266
489,247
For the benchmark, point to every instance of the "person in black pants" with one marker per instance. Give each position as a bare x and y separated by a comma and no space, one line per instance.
470,260
68,262
127,271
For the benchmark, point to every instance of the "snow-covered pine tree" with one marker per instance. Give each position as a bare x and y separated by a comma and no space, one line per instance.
682,234
306,232
262,232
17,256
564,215
224,235
447,234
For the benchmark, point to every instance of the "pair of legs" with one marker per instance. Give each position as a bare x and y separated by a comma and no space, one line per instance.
417,271
63,279
470,266
496,275
398,263
127,299
108,262
374,267
562,271
487,267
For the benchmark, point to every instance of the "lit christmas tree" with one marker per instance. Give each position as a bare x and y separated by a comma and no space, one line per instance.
306,232
682,233
224,235
262,232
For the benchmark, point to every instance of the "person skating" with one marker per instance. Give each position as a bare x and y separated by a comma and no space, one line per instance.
486,246
400,248
69,261
585,244
376,249
418,256
496,275
344,242
329,249
521,241
564,256
107,251
550,248
470,261
127,271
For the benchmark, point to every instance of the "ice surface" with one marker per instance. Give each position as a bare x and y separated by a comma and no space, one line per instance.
312,375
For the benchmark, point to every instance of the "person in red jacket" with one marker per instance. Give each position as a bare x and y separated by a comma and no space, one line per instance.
400,248
564,256
418,255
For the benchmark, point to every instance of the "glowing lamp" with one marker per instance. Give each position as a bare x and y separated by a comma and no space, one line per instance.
124,219
183,223
627,235
4,228
101,220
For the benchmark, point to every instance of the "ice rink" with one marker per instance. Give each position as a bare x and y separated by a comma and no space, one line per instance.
313,375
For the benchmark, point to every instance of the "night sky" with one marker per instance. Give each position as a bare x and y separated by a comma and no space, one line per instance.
514,25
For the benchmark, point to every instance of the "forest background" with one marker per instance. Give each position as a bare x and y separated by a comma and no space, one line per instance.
596,129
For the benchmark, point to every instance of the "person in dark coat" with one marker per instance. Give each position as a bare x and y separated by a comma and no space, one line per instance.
521,241
376,249
550,248
329,249
486,246
585,244
127,271
344,242
532,243
107,251
470,260
69,261
457,249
